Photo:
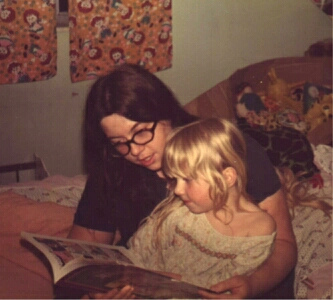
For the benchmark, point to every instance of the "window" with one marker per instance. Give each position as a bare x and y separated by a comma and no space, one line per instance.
62,13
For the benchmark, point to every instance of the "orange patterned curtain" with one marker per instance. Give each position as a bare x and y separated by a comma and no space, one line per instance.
106,33
28,41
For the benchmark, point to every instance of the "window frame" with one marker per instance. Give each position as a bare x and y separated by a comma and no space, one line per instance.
62,15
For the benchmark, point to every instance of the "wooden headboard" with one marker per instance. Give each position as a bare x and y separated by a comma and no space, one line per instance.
219,101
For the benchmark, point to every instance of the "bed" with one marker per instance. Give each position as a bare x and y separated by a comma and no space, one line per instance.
312,228
47,206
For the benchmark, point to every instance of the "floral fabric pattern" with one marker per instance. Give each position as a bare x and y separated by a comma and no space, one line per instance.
28,41
104,34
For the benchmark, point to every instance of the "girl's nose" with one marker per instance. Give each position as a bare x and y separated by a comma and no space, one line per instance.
179,188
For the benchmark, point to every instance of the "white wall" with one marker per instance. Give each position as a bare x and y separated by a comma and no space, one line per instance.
211,39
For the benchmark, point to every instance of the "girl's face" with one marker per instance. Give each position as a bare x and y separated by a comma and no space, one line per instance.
119,129
195,194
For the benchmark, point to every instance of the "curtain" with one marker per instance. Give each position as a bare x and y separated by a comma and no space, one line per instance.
107,33
28,41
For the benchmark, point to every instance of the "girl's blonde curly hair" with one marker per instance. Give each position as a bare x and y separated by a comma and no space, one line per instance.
298,192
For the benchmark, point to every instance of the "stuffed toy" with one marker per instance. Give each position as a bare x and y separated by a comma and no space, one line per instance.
320,112
321,48
280,91
313,93
264,111
249,105
270,104
292,119
277,88
249,102
301,106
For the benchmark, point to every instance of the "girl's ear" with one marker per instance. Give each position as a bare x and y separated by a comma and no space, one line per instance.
230,176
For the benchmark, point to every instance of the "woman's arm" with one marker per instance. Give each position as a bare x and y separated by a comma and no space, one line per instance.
81,233
276,268
284,256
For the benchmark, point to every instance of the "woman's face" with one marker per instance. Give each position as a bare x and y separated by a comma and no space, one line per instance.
119,129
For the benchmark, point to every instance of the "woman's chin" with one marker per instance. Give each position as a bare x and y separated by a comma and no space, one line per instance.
152,164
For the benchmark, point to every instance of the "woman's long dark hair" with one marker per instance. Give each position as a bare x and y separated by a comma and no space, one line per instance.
135,93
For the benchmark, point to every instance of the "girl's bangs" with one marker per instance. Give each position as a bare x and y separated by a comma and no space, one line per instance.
181,160
176,167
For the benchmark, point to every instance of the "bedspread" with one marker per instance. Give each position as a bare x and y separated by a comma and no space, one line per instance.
59,189
313,231
48,207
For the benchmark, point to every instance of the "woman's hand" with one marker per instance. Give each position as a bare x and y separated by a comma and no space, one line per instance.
125,293
237,287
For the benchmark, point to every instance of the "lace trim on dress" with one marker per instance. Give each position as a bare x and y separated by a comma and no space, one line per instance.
202,248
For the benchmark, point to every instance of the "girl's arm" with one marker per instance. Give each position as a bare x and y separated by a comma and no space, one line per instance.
276,268
141,244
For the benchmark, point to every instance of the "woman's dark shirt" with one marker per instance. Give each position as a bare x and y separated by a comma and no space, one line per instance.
107,207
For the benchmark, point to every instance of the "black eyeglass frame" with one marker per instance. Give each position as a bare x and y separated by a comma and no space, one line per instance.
115,153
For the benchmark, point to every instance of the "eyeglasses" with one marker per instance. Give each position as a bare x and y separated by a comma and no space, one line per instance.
142,137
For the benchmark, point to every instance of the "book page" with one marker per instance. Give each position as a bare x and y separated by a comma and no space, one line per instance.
66,255
147,284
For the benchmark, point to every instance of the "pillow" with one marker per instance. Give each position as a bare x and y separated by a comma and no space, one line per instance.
18,213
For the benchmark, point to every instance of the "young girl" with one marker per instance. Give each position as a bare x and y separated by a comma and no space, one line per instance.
207,229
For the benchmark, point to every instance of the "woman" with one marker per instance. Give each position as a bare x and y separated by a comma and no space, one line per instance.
129,114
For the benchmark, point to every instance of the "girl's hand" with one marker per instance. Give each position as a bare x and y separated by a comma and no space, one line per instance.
125,293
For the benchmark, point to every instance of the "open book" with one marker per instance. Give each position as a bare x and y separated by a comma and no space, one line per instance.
93,267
